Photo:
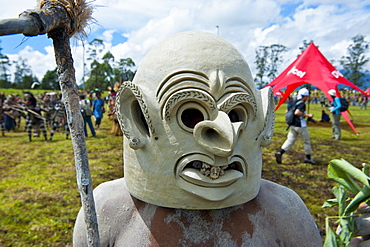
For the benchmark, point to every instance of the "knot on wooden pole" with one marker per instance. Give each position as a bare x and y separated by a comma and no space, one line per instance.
79,14
71,16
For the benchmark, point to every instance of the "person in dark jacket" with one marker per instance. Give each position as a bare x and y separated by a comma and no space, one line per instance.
299,127
324,117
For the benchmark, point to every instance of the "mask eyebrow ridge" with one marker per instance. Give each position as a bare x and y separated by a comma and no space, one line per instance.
177,78
184,94
238,98
238,84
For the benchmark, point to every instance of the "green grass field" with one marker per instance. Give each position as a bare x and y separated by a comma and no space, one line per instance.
39,194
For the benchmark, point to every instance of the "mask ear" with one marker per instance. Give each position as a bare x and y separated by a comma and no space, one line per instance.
133,115
269,116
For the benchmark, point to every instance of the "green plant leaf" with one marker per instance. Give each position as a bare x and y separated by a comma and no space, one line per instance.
341,194
341,171
343,179
330,203
353,171
346,232
361,196
332,239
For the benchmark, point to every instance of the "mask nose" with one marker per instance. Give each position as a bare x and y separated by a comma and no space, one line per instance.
218,136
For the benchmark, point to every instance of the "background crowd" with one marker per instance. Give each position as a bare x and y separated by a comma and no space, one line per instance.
44,113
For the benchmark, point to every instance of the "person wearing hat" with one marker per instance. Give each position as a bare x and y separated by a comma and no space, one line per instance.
335,110
299,127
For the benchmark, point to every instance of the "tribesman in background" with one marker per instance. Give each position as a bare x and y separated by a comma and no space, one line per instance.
59,119
49,106
34,116
112,115
11,110
2,100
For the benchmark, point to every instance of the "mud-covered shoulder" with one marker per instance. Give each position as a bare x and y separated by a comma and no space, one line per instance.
295,222
111,192
113,205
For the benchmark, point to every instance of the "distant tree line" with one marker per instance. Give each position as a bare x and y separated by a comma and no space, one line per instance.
103,72
269,58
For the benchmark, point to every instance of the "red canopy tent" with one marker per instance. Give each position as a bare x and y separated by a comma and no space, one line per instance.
311,67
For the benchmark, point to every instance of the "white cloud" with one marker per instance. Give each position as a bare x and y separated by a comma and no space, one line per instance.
36,59
14,8
108,35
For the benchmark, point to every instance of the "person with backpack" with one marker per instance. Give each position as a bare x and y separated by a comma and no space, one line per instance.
298,128
86,114
335,109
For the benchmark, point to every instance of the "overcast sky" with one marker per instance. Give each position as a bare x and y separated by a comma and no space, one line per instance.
129,28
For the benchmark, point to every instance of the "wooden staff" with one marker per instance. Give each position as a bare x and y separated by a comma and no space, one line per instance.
62,19
22,109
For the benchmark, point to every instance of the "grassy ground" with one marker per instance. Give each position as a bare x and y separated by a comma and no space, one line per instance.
40,199
38,190
19,92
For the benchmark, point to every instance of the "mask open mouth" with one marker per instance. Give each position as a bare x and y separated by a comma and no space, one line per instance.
204,174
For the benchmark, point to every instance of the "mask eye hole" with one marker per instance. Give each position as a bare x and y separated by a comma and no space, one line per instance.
238,114
234,117
190,117
190,114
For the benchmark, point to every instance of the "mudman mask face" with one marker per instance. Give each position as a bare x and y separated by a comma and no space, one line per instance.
194,125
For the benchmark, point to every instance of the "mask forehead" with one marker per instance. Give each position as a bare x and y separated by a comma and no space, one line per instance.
200,107
192,52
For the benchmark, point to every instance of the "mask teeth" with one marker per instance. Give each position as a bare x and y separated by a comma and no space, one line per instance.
210,171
